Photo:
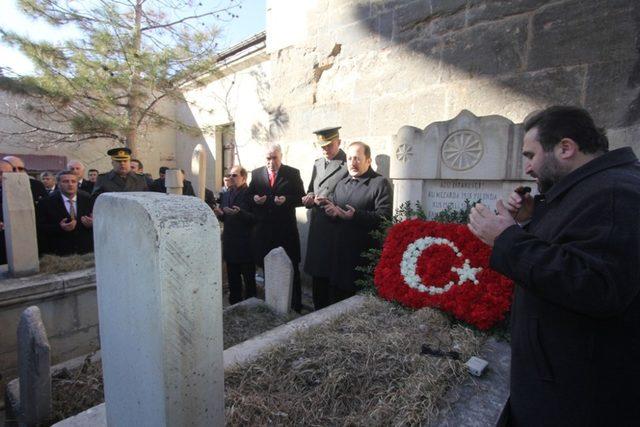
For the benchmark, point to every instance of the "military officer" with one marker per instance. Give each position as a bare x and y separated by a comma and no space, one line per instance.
121,178
327,171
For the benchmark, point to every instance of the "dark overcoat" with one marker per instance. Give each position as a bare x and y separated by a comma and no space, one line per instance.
324,178
86,185
112,182
575,320
372,197
236,235
50,211
276,225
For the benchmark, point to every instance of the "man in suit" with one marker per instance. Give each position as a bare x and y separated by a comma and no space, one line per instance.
64,220
327,171
276,190
78,169
235,212
37,188
360,202
93,175
121,178
138,168
49,181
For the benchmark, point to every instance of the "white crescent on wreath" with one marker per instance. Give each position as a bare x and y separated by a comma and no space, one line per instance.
410,261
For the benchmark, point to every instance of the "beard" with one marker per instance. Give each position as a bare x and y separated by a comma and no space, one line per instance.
550,173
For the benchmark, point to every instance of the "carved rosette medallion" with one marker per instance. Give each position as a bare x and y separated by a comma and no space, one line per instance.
462,150
404,152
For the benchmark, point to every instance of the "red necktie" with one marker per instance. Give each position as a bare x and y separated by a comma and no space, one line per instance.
272,178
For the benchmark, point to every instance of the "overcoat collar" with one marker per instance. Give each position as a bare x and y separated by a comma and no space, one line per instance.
608,160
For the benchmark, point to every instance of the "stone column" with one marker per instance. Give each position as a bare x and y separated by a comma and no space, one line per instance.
19,225
278,280
174,181
160,308
199,158
34,367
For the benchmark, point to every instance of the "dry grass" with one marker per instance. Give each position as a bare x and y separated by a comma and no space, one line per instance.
243,323
364,368
52,264
76,391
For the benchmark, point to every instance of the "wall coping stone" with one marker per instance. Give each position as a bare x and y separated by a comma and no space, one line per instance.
17,290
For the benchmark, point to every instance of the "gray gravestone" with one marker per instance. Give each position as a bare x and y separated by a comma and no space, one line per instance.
160,311
19,225
278,280
174,181
466,158
34,367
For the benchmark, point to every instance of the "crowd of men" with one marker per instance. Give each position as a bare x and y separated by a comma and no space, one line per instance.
345,197
64,200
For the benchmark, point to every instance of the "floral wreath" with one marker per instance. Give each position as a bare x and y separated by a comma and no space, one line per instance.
431,264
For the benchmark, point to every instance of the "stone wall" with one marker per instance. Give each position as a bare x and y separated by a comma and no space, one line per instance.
374,66
69,311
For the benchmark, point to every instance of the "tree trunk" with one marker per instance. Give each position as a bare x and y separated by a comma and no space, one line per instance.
133,105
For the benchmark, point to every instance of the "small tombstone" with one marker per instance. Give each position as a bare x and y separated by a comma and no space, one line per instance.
19,225
199,168
34,367
278,280
160,311
174,181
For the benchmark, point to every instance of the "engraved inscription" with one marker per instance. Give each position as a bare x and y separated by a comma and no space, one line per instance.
453,193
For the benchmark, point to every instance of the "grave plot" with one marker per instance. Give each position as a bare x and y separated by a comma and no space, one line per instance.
77,385
363,368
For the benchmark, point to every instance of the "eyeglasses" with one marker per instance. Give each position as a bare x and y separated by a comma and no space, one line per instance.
231,175
19,169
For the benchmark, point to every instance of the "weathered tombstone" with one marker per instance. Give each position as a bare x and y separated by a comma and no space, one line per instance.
199,167
160,310
174,181
278,280
467,157
34,367
19,225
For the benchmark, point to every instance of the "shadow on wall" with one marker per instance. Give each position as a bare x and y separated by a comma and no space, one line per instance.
278,119
563,52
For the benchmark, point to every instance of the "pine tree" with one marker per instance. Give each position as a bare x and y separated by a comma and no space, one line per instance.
133,54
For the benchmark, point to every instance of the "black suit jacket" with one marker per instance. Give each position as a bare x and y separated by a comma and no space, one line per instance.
38,190
55,240
236,234
276,225
86,185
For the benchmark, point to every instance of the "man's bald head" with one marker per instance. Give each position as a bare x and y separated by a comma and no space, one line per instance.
16,163
5,166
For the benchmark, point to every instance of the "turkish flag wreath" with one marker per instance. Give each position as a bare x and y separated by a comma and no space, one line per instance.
432,264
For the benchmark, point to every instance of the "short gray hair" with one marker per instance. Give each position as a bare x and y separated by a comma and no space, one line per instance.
274,146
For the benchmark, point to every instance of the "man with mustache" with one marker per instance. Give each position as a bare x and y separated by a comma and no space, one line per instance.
573,254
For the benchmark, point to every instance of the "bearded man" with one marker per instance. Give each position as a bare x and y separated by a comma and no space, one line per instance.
573,254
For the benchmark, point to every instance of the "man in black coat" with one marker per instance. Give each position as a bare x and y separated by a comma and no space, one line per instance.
64,219
276,191
235,212
327,171
78,169
120,178
360,202
575,319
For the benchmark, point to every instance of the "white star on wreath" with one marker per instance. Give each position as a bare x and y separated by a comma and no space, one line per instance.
410,261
